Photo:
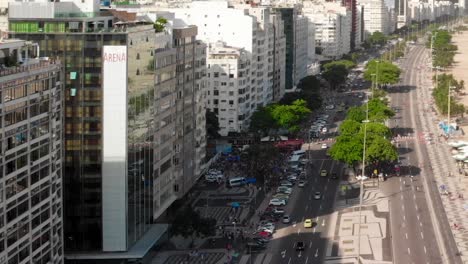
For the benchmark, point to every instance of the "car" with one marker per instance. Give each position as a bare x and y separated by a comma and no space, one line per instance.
286,219
300,246
323,173
302,184
334,176
277,202
286,183
284,189
269,225
292,178
324,130
262,234
317,195
278,211
281,196
308,223
324,146
265,229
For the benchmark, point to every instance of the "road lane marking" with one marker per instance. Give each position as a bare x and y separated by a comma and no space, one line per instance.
323,222
401,188
402,197
404,217
417,216
310,245
316,179
307,259
425,251
414,196
400,179
406,235
325,189
300,254
420,224
422,236
403,207
289,261
283,254
409,251
316,253
320,208
416,206
317,219
307,206
315,228
298,231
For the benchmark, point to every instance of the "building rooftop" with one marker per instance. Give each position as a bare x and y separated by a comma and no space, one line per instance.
27,66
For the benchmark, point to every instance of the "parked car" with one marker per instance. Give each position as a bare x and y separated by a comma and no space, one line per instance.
277,202
255,247
286,219
302,184
278,211
284,189
324,146
286,183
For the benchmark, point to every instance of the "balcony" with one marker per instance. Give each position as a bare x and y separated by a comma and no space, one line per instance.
31,65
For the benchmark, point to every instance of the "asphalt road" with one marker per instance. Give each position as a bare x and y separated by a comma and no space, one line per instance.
414,237
302,205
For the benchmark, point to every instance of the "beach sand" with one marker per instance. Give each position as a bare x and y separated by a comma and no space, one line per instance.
460,67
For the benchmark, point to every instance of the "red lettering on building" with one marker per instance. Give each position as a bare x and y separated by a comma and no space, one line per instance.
115,57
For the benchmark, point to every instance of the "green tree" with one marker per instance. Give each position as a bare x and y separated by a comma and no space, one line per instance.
388,73
377,38
335,74
188,223
160,24
349,127
356,113
377,129
347,149
378,110
380,149
289,116
212,124
262,120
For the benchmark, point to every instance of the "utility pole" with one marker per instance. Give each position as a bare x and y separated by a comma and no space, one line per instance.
377,76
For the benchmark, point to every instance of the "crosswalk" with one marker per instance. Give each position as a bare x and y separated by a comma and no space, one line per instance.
221,214
202,258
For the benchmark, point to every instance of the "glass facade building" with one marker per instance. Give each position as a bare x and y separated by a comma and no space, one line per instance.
149,127
31,121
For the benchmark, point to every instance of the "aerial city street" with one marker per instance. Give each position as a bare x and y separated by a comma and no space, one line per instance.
233,132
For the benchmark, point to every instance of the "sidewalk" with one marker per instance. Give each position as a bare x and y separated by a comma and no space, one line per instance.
442,164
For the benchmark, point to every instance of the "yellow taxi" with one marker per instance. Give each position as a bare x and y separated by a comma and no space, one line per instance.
308,223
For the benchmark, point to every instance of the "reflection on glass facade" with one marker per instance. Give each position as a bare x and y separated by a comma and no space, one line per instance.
141,148
150,126
31,162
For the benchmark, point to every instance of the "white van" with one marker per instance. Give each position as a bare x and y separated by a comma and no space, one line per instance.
236,182
214,177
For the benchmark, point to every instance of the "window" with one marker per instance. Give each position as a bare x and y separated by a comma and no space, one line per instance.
215,92
231,102
231,75
215,101
231,93
216,74
223,83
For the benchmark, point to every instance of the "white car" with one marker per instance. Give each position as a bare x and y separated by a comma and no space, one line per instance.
324,130
284,189
277,202
286,219
317,195
324,146
302,184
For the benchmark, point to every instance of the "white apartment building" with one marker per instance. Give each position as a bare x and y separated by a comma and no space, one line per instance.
332,24
3,15
229,86
376,16
301,46
244,27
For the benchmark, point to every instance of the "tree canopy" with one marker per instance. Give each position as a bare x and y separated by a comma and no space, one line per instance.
286,116
385,72
441,92
188,223
377,38
335,72
443,50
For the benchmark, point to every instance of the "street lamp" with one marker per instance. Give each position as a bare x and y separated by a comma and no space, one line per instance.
373,83
377,75
362,177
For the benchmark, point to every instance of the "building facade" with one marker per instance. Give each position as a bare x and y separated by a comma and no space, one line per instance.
31,229
376,16
229,88
119,136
